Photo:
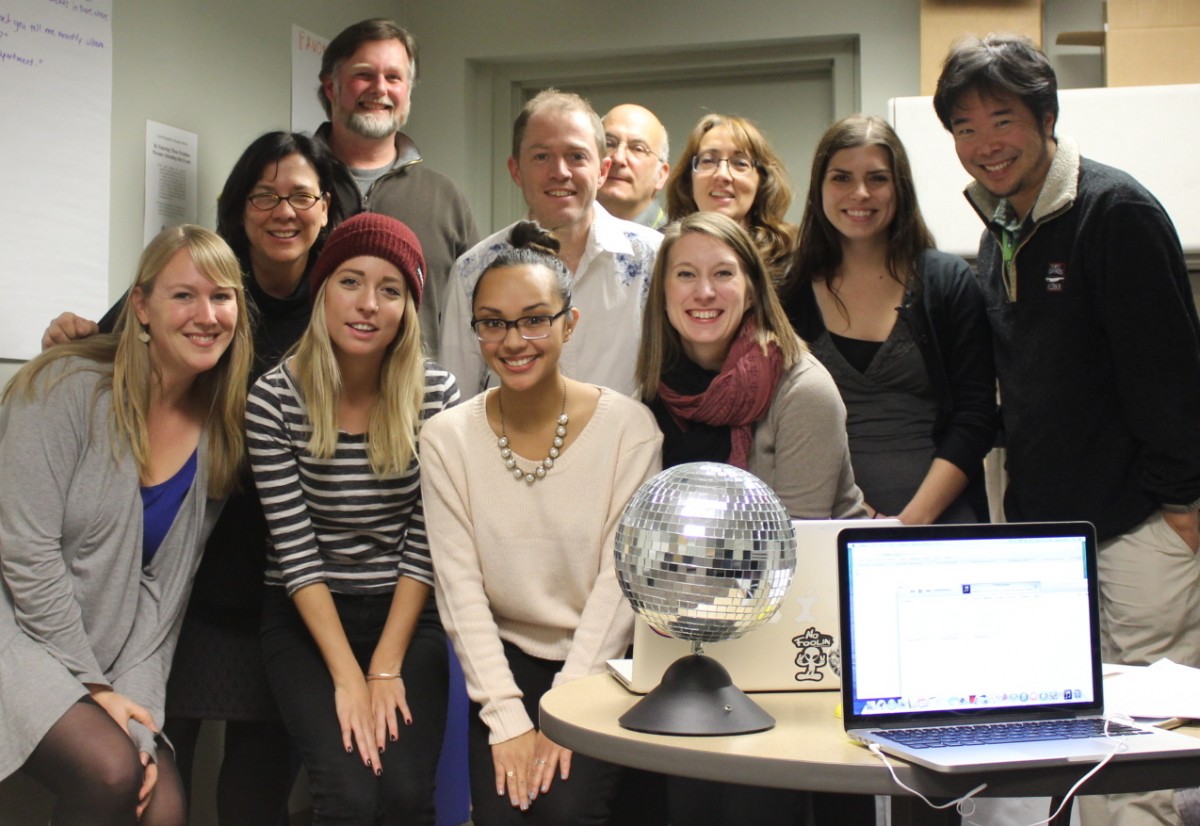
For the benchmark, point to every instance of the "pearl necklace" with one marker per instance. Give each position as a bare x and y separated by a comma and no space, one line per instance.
509,458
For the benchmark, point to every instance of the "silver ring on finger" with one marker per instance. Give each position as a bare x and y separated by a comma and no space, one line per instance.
539,761
510,775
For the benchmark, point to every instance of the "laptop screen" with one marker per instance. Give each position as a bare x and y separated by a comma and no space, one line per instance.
980,619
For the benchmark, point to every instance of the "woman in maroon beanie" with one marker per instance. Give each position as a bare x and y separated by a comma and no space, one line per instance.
353,647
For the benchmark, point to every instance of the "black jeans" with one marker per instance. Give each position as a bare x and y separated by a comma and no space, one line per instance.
584,799
343,789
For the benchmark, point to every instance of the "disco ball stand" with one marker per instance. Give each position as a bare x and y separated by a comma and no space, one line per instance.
704,552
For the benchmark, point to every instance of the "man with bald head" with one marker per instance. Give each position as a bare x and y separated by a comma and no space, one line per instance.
637,146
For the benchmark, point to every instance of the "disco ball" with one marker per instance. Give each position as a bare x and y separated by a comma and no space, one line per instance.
705,552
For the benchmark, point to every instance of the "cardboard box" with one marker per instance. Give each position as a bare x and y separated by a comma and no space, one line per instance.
1146,42
1152,56
1145,14
1152,42
944,22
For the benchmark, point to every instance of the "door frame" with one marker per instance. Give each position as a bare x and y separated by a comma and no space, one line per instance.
501,88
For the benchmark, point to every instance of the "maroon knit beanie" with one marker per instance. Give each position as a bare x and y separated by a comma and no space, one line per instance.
380,236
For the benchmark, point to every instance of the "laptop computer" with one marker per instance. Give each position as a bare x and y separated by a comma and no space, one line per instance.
954,637
796,650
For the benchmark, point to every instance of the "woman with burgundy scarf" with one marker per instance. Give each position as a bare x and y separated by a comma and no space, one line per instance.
729,381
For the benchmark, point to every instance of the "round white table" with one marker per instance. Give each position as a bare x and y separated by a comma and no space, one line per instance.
808,750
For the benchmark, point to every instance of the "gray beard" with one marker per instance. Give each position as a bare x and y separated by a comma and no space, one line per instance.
374,128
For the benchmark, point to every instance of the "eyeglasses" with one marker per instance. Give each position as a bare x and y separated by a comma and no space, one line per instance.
529,327
267,201
637,149
709,163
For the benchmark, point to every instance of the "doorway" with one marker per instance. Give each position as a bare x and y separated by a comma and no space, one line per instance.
792,90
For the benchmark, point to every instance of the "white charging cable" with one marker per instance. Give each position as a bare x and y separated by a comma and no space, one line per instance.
961,803
1118,746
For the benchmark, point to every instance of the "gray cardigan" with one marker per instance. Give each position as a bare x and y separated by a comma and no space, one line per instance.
77,606
800,447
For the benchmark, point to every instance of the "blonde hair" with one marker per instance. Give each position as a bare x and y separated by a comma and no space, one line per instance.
661,347
132,371
392,423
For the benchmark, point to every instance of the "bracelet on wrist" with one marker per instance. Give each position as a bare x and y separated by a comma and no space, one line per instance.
384,676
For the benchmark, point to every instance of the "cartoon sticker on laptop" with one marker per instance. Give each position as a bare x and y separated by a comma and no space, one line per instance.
814,655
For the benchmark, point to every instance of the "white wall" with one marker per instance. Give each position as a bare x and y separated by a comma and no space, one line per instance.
221,69
454,33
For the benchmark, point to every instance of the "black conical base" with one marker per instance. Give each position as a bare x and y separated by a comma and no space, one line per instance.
696,697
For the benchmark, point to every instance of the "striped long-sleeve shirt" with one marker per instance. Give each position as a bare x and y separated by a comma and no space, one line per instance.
333,520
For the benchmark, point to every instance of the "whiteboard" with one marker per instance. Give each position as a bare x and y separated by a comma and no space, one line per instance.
1148,131
56,96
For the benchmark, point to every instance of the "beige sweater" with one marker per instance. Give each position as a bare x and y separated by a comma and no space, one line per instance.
531,564
801,449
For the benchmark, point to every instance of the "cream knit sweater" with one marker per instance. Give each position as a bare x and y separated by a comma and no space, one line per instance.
531,564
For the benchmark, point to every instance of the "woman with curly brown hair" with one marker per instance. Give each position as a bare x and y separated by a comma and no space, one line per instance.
728,166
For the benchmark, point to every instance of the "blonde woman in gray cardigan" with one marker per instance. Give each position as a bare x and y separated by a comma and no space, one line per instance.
115,454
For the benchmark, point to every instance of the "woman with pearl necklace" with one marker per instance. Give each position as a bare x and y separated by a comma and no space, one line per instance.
523,488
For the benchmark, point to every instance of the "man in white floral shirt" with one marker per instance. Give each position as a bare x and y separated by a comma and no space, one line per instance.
559,161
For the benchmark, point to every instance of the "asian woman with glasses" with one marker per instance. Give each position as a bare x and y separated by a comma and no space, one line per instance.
276,209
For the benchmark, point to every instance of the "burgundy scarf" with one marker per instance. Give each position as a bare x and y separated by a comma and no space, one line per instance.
739,396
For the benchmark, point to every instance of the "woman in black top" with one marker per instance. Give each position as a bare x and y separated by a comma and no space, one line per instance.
900,326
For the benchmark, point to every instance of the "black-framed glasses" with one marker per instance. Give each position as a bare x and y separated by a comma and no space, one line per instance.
267,201
709,162
529,327
637,149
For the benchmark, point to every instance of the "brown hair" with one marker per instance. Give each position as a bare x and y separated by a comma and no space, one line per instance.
661,347
559,101
819,251
342,47
773,235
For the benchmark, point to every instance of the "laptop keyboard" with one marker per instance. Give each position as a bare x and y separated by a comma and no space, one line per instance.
991,733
